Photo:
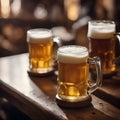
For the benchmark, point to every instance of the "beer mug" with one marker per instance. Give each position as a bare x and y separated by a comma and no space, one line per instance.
102,43
74,85
40,44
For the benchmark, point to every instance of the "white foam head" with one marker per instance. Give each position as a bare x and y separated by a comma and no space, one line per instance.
101,29
72,54
39,35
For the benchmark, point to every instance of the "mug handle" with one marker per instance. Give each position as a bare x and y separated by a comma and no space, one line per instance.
117,59
96,61
117,35
57,40
57,43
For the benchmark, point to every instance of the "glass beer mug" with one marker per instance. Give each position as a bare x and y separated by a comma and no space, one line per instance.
74,86
40,44
102,43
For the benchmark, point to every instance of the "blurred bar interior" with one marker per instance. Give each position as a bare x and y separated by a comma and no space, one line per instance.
67,18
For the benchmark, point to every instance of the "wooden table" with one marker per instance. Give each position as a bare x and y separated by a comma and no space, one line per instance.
35,96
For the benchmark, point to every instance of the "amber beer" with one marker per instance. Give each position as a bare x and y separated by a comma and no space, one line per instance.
73,72
40,43
102,43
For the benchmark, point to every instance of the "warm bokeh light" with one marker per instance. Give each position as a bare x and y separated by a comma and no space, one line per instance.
5,8
40,12
16,7
72,9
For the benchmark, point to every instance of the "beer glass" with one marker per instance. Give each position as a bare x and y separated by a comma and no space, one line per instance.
74,84
40,44
102,43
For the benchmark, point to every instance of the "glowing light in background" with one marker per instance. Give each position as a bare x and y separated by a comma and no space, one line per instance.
5,8
16,7
72,9
40,12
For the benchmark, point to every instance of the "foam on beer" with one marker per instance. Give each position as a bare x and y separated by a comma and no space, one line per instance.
101,30
72,54
37,36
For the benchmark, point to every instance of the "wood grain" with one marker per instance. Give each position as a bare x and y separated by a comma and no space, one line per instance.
35,96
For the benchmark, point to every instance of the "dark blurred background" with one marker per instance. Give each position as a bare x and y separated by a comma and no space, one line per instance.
67,18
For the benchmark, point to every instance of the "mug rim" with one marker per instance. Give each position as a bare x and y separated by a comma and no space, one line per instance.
85,50
101,21
39,33
38,29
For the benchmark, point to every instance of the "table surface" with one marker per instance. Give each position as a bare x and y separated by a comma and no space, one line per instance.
35,96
